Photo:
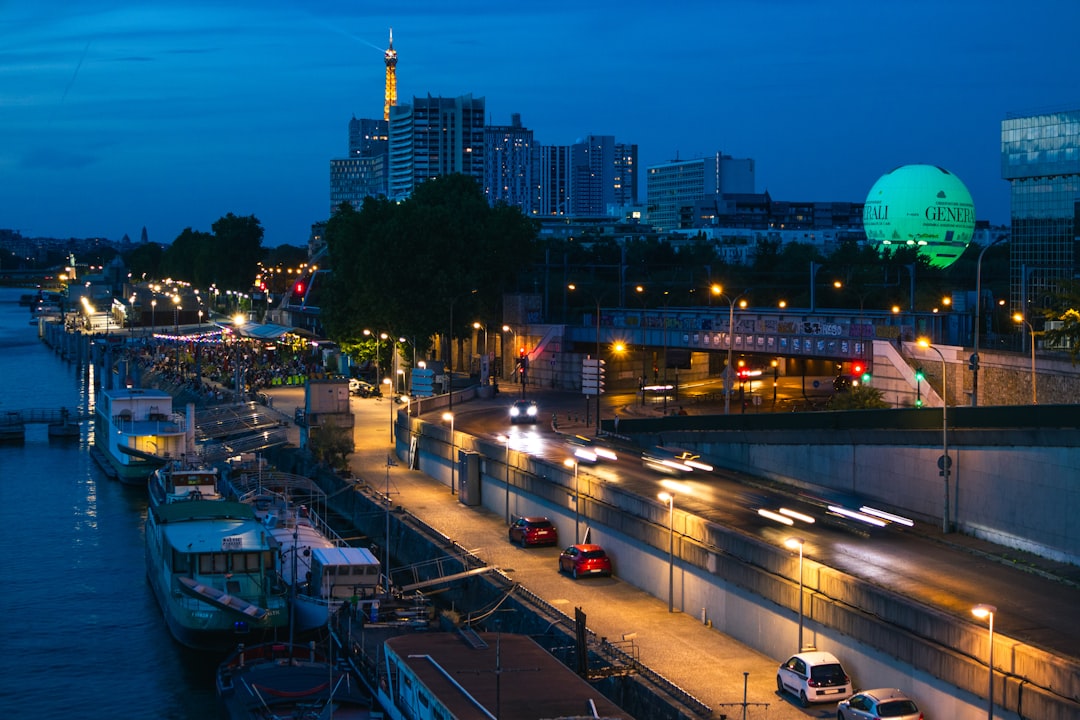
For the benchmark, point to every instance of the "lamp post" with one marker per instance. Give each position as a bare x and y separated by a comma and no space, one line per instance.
1020,319
153,316
450,349
670,500
944,464
729,384
506,441
987,611
390,395
449,416
792,544
640,290
513,334
978,308
238,322
596,299
570,462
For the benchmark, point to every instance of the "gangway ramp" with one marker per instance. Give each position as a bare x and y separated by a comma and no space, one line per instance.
430,573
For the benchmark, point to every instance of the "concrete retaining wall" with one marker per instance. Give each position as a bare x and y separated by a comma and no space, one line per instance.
749,590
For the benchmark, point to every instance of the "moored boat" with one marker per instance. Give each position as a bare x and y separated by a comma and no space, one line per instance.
323,571
180,480
215,572
136,431
288,681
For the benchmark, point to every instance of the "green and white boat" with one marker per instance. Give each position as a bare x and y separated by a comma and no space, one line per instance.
215,570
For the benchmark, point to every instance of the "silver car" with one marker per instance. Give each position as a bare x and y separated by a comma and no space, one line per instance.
881,703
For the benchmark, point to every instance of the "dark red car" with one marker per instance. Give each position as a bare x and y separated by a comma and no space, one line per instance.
581,560
533,531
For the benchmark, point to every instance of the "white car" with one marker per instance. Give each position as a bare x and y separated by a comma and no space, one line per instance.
814,677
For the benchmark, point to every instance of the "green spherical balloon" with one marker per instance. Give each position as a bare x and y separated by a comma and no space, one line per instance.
921,206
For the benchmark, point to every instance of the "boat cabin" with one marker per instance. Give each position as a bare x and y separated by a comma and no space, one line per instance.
341,573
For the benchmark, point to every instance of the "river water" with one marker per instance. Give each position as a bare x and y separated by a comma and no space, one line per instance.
82,634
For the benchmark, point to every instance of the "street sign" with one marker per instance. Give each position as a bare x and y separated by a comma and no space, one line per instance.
592,376
423,380
944,461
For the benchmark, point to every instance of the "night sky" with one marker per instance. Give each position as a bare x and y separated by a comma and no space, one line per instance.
119,115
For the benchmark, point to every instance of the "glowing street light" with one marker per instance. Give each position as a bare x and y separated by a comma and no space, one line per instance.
570,462
792,544
670,500
1021,319
449,417
982,611
945,462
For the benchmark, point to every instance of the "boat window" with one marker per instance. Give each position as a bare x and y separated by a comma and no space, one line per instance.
181,562
213,563
246,562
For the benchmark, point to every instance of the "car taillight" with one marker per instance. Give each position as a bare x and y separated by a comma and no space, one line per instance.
813,683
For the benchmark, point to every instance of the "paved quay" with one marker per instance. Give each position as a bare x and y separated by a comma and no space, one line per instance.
704,662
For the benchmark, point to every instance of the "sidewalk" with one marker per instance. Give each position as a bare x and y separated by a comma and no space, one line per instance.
706,663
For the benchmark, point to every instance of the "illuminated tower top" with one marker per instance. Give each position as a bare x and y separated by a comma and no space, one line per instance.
390,57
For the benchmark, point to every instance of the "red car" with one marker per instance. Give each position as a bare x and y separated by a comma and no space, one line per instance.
533,531
581,560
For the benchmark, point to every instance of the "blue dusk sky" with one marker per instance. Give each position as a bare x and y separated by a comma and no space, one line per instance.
117,115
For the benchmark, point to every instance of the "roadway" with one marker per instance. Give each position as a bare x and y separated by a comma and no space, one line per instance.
1036,604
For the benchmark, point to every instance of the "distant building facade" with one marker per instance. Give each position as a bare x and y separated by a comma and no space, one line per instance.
1040,158
673,189
510,165
432,137
594,177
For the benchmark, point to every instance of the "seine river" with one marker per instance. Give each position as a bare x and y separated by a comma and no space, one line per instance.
82,634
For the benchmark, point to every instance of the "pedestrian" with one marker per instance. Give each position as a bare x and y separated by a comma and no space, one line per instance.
616,422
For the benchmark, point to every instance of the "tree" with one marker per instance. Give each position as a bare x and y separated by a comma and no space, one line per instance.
398,266
237,249
145,260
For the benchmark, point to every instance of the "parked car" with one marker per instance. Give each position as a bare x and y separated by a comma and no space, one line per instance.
533,531
524,411
815,676
881,703
363,388
581,560
587,450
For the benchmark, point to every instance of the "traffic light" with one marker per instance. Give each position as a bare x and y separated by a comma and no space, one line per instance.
919,374
861,372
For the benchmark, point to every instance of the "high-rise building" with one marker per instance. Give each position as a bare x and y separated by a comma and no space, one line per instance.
435,136
368,137
594,177
1040,157
510,165
673,189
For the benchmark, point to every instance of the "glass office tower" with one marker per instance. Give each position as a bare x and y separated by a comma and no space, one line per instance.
1040,157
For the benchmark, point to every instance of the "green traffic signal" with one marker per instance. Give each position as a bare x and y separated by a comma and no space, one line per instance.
919,376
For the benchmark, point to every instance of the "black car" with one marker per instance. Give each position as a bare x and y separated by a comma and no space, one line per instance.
524,411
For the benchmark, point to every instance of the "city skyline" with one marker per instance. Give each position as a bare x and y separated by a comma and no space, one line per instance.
124,116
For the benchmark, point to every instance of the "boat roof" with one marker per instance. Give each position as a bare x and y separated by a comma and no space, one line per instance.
522,690
137,393
344,556
208,535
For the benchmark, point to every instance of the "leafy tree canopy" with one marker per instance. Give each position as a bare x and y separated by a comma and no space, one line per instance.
398,267
228,257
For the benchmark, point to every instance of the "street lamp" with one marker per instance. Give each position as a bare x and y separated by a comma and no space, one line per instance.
238,322
506,441
729,384
944,463
1020,319
981,611
670,500
153,316
378,371
513,334
390,396
450,349
570,462
792,544
449,416
572,286
978,308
